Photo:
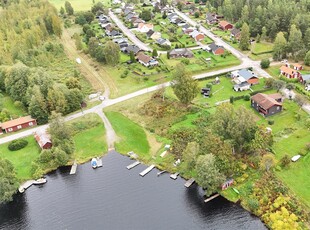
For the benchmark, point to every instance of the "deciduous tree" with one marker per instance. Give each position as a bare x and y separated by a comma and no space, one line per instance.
190,155
208,175
184,86
69,8
8,181
111,53
279,48
268,161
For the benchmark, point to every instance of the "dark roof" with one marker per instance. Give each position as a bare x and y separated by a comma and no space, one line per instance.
211,16
135,49
161,41
214,47
235,31
114,33
266,101
130,15
127,11
150,33
185,26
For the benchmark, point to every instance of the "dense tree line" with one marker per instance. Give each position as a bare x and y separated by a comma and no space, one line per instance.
30,51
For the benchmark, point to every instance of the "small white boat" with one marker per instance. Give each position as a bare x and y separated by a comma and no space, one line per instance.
40,181
174,176
21,189
94,163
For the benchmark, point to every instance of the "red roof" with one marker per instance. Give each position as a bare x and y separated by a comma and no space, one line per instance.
267,101
224,23
16,122
287,70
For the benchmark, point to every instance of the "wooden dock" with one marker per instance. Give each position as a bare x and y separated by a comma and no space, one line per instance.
73,168
147,170
99,162
189,182
174,176
25,185
161,172
211,198
133,165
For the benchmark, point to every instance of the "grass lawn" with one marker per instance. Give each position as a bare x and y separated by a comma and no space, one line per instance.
22,158
132,135
274,70
78,5
261,47
223,91
90,143
89,137
7,103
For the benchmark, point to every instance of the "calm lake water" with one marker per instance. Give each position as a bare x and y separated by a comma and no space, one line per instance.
113,197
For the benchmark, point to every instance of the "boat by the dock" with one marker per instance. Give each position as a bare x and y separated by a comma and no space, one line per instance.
40,181
174,176
94,163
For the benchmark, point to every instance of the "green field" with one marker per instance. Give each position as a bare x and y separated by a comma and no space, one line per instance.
22,158
132,136
90,143
8,103
262,47
78,5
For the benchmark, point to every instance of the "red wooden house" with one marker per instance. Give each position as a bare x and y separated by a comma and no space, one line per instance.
289,73
43,140
224,25
17,124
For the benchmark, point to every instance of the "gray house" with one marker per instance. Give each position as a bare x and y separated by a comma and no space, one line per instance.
176,53
267,105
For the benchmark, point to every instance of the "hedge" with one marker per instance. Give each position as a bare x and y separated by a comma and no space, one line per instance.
17,144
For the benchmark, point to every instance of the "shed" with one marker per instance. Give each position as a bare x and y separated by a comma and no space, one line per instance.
43,139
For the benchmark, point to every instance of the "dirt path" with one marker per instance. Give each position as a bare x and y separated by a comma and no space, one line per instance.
87,67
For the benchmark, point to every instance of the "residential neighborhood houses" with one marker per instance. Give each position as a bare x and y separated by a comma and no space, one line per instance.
17,124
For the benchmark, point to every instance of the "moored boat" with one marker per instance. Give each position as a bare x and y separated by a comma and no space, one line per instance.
40,181
94,163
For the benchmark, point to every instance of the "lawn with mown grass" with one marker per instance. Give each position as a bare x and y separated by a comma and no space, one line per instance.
14,110
90,143
261,47
132,136
22,159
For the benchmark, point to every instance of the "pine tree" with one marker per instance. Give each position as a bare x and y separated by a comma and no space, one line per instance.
244,37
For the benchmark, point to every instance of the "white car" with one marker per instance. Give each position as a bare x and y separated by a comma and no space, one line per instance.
101,98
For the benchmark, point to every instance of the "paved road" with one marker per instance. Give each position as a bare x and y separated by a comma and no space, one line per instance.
128,33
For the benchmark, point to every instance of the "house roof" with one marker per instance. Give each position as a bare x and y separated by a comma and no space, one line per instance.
182,51
210,16
15,122
266,101
150,33
246,74
185,26
130,15
141,25
114,33
195,33
143,57
162,41
136,20
297,65
224,23
306,77
214,47
135,49
235,31
287,70
42,138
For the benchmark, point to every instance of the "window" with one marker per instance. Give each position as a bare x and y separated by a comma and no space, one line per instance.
19,126
278,107
30,123
10,129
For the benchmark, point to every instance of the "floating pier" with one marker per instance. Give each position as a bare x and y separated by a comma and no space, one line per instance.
161,172
174,176
73,168
147,170
25,185
99,162
189,182
163,153
211,198
133,165
132,155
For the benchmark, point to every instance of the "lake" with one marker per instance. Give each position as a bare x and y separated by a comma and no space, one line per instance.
113,197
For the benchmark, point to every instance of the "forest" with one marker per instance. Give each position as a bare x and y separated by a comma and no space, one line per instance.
34,70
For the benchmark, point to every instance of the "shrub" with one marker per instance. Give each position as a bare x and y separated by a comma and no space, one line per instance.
253,204
185,61
265,63
308,146
209,85
247,97
285,161
17,144
270,122
231,99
